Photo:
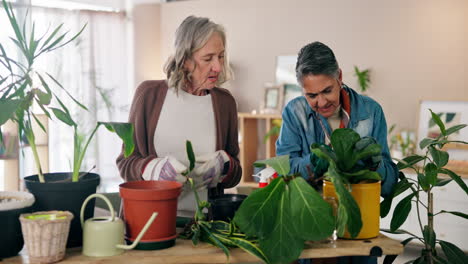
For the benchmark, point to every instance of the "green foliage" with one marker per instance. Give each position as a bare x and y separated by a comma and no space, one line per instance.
351,160
285,214
218,233
363,78
428,167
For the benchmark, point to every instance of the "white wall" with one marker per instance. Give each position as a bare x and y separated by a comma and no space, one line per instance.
417,50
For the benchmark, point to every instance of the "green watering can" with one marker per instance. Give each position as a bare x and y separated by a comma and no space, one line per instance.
104,236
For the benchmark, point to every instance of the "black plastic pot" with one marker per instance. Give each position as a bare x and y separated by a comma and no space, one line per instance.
11,237
60,193
224,207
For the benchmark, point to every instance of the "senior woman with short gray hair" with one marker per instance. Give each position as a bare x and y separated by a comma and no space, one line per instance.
189,105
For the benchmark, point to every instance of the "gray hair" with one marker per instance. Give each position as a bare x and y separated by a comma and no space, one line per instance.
316,58
191,36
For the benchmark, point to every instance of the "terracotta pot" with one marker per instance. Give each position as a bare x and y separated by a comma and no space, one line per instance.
367,196
140,200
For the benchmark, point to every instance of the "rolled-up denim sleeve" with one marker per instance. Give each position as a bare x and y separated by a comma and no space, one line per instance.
290,142
387,169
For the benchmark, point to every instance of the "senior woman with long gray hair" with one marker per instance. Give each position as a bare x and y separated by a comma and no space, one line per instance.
189,105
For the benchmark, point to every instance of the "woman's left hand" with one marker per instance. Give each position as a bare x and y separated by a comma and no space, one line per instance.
211,170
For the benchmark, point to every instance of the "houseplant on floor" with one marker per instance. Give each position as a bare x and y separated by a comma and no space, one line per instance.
350,172
20,90
284,214
428,166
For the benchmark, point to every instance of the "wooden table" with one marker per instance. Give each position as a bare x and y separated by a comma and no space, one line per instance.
185,252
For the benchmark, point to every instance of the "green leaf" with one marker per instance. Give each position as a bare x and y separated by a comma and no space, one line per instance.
282,244
249,247
257,213
431,173
439,157
215,241
343,141
454,129
456,178
429,236
401,187
361,175
323,152
349,214
456,213
280,164
8,108
125,132
51,36
385,206
313,217
68,93
190,154
63,116
426,142
442,182
409,161
44,98
406,241
401,212
454,254
439,122
423,182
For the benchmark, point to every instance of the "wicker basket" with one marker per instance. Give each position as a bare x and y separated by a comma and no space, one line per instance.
45,235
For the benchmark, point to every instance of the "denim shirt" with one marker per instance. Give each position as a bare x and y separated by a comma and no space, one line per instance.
301,127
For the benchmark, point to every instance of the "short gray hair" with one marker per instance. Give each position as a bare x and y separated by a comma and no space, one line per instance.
316,58
191,36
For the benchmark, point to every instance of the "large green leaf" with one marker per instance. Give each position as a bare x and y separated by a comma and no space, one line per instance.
190,154
431,173
423,181
257,213
343,141
426,142
439,157
456,178
283,244
401,212
313,217
125,132
63,116
454,254
324,153
361,175
7,109
349,214
280,164
369,151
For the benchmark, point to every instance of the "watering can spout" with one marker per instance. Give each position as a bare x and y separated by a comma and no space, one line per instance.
142,233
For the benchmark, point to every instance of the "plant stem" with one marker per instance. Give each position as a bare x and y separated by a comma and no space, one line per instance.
77,163
36,159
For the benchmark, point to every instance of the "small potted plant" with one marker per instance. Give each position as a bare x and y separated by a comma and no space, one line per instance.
352,181
19,91
12,204
429,167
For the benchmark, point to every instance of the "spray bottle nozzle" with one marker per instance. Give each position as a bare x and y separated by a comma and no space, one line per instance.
264,175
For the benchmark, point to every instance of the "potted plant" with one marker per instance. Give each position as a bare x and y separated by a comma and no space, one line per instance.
428,167
20,90
352,181
12,204
284,214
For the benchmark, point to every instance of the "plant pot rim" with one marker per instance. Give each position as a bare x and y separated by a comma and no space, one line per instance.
68,216
361,183
22,200
146,186
87,177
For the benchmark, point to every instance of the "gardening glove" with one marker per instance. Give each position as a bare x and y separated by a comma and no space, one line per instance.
320,166
167,168
211,169
373,162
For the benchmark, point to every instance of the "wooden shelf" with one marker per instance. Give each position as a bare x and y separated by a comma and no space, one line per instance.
252,142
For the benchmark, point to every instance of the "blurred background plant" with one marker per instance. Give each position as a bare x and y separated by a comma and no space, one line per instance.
402,143
274,131
363,78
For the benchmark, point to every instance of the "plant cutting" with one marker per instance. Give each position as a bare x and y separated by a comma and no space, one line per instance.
428,167
220,234
363,78
351,160
284,214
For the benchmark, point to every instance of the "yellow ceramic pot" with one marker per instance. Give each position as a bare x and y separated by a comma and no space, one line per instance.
367,196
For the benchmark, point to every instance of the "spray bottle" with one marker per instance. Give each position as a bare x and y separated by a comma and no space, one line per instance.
264,175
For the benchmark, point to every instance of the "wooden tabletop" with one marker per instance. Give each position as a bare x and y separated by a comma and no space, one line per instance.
185,252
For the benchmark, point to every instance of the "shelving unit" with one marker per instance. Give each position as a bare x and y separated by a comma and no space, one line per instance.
252,129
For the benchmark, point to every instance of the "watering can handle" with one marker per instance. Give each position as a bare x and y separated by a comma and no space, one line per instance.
96,195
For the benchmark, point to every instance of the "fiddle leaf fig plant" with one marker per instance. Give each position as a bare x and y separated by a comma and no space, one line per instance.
351,160
428,167
284,214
